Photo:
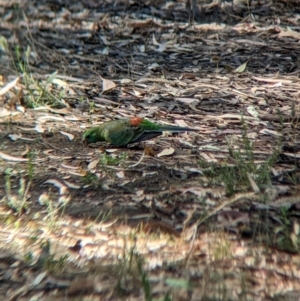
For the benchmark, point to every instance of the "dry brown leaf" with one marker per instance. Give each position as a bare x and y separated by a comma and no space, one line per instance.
181,122
39,278
166,152
241,68
21,108
253,184
72,185
14,137
120,174
4,114
188,76
107,85
62,187
9,86
270,132
39,128
251,110
64,111
149,151
92,165
49,118
70,136
59,82
43,199
208,157
289,33
273,80
187,100
138,24
12,158
126,81
104,40
199,191
153,66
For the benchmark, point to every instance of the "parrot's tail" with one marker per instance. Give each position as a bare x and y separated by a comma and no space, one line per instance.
176,129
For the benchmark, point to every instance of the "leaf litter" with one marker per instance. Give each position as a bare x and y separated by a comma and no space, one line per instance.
152,60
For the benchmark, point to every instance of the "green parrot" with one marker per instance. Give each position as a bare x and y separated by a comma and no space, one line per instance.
124,131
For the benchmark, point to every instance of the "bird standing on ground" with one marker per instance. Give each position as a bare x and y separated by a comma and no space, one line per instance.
124,131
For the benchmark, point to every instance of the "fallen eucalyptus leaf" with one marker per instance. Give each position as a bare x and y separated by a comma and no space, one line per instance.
166,152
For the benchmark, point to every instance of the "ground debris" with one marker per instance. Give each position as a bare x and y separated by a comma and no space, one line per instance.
153,220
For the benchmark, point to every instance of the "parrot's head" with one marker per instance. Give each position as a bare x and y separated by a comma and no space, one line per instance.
90,136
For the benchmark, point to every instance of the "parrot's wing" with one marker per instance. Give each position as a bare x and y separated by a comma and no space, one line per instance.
146,136
121,137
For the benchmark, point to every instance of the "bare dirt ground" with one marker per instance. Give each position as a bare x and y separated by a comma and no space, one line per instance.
210,215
